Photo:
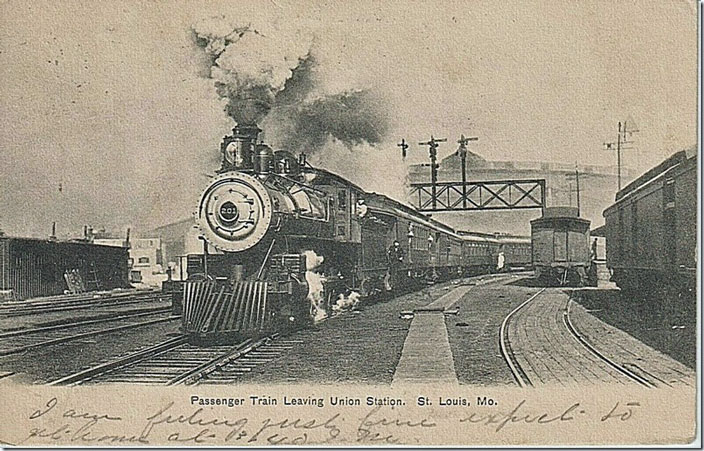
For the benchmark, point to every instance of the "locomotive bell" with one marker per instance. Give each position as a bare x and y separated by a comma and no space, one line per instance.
263,159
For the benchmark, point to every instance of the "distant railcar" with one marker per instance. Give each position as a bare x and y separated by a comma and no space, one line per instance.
516,251
651,229
479,252
560,243
33,267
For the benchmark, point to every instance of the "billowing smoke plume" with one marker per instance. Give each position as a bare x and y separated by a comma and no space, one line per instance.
352,118
249,67
271,77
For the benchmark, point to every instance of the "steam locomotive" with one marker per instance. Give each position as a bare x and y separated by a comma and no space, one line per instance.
285,242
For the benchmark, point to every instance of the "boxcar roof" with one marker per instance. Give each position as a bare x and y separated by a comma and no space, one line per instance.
656,172
650,177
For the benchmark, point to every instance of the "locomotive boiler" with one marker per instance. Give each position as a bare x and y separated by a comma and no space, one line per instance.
257,218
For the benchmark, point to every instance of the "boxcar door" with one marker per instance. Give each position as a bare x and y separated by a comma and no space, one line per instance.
560,245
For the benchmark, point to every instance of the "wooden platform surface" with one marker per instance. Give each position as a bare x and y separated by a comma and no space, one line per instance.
426,356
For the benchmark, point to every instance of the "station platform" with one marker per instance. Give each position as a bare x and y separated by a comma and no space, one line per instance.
426,356
449,334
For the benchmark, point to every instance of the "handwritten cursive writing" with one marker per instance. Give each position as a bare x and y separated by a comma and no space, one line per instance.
517,416
56,422
366,431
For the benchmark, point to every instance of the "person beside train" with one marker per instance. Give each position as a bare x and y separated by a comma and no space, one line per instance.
593,272
394,257
501,259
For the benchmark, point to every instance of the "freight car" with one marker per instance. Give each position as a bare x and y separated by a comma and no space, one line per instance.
651,229
284,242
560,242
32,267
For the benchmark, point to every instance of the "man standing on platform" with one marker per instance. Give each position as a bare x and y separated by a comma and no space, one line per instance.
394,257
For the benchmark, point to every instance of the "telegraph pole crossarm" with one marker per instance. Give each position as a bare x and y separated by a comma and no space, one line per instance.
433,150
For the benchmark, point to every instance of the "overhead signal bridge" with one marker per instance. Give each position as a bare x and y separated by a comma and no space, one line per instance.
471,196
485,195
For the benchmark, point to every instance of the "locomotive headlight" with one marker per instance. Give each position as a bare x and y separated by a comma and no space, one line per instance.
234,212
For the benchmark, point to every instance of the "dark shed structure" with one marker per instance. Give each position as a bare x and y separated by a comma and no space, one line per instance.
32,267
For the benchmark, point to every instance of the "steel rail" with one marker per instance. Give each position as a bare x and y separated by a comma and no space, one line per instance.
620,368
118,316
90,373
194,375
45,307
54,341
507,353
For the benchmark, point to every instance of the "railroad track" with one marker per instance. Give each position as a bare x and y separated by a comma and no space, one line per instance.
519,375
175,361
60,304
618,367
522,378
19,341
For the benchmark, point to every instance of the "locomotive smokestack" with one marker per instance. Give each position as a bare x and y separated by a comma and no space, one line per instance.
238,148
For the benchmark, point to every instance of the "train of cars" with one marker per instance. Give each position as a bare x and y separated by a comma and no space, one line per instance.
651,229
285,241
292,240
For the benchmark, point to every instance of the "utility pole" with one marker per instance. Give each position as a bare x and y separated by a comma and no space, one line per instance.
621,141
569,176
404,148
433,149
462,151
576,175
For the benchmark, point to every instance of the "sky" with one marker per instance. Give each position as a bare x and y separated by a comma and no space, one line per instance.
110,118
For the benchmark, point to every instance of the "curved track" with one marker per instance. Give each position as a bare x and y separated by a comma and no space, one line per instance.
518,374
541,346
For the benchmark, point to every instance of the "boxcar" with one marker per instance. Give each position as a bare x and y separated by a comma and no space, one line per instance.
651,230
33,267
560,242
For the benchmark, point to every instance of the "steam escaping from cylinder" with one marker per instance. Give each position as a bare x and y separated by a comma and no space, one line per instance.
315,284
345,303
